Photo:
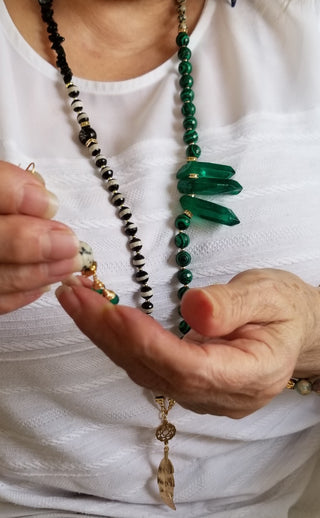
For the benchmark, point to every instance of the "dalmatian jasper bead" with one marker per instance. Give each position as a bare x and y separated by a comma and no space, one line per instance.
86,254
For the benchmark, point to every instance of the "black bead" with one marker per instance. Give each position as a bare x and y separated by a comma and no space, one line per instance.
140,277
138,247
101,162
130,230
147,306
117,200
113,187
126,216
106,175
145,289
86,134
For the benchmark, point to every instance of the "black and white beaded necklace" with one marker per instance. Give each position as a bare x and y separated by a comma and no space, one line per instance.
194,178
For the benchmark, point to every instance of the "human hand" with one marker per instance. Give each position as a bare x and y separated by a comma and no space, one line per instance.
247,339
34,250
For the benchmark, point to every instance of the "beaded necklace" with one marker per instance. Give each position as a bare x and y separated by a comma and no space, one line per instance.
194,178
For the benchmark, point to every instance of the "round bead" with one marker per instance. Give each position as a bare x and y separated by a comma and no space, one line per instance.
73,90
115,300
86,254
185,67
187,95
184,276
77,105
316,386
147,307
138,260
94,149
182,39
304,387
186,81
82,117
142,277
182,291
130,229
100,160
135,244
125,213
182,240
190,137
182,221
146,292
117,199
86,133
190,123
188,109
112,185
184,54
193,151
106,173
183,258
184,327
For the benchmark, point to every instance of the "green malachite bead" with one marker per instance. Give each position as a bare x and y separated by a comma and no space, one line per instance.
205,170
193,150
208,210
208,186
186,81
184,54
190,136
182,240
182,291
184,276
115,300
182,222
184,327
100,291
188,109
187,95
190,123
185,67
182,39
183,258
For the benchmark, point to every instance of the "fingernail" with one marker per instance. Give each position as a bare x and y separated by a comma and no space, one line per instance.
71,280
61,269
59,244
63,288
37,201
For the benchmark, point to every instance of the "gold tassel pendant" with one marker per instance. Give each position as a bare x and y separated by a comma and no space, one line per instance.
164,433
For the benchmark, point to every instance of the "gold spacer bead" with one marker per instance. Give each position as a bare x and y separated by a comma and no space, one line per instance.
84,124
193,175
91,141
291,384
187,213
192,159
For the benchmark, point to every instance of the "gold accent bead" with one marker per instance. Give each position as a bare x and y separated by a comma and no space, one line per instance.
193,175
187,213
91,141
191,159
84,124
88,272
291,384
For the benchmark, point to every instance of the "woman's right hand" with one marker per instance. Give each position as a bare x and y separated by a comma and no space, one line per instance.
34,250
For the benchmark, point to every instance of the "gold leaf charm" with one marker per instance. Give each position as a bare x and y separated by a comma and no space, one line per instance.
166,479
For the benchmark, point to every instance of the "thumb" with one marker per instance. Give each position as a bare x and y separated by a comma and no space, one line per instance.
220,309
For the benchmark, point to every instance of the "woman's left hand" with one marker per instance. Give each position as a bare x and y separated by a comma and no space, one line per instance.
248,337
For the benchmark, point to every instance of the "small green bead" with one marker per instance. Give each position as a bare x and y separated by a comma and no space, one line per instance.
182,222
303,387
184,276
184,327
187,95
183,258
188,109
182,291
190,137
185,67
182,240
115,300
190,123
100,291
184,54
186,81
182,39
193,150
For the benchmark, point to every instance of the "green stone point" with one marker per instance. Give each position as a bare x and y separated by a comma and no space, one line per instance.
208,210
205,170
208,186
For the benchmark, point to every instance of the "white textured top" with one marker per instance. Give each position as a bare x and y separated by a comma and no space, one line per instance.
76,435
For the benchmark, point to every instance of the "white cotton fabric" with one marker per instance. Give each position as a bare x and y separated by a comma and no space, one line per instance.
76,435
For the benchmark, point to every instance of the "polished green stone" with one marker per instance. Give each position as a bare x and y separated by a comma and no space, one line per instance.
190,136
182,240
184,54
188,109
184,276
208,186
186,81
185,67
184,327
190,123
187,95
182,222
193,150
182,291
205,170
182,39
208,210
115,300
183,258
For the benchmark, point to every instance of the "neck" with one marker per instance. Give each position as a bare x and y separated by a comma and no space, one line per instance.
107,40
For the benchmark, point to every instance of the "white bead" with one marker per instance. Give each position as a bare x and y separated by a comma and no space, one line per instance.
135,244
86,254
77,105
138,262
